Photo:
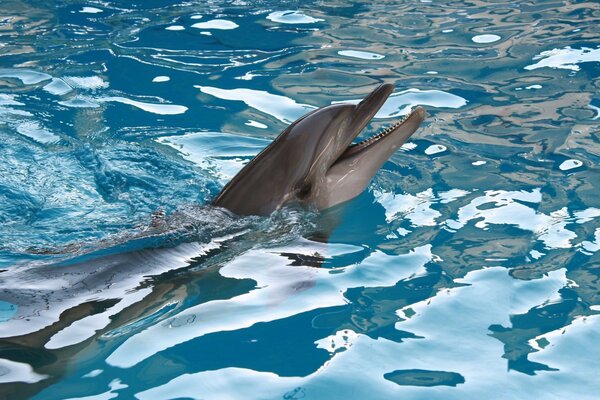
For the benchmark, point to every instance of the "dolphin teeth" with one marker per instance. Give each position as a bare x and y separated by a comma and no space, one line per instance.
383,133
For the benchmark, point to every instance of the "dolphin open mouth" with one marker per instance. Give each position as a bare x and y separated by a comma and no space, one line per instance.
355,148
391,137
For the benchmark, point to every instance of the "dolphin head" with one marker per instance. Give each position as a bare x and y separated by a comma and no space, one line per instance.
314,162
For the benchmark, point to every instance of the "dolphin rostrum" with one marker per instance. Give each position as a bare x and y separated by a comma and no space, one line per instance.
313,161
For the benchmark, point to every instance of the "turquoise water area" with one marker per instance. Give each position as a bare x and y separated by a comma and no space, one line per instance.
469,269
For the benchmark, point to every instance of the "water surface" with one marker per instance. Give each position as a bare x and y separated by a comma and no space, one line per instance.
468,270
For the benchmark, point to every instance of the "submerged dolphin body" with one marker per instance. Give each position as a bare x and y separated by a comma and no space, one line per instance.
128,288
313,161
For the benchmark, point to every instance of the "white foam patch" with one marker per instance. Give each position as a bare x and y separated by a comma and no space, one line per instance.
221,153
449,343
485,38
447,30
197,16
593,245
566,58
94,373
256,124
113,386
26,76
58,87
586,215
85,328
536,255
597,109
508,209
435,149
341,340
416,208
401,103
161,78
86,82
9,100
90,10
533,87
12,371
175,28
95,102
573,350
246,77
292,17
451,195
570,164
363,55
281,107
80,102
222,24
35,131
408,146
478,163
161,109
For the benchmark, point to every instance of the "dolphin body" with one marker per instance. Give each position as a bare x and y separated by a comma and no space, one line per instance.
313,161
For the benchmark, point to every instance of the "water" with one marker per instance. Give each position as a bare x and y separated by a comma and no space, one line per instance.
468,270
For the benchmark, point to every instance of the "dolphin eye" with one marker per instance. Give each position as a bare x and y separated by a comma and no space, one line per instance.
304,190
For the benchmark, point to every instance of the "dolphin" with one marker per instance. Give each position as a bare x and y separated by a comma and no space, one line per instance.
313,162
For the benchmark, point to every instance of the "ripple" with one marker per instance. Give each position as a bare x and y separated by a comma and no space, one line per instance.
510,208
420,377
86,327
278,298
292,17
26,76
502,282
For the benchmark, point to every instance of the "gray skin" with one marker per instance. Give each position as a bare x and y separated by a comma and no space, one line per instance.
313,161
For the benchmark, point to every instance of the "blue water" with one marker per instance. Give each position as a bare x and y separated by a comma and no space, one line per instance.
469,269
